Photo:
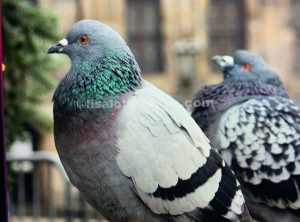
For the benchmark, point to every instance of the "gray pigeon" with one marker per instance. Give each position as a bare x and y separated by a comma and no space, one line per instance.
257,128
131,150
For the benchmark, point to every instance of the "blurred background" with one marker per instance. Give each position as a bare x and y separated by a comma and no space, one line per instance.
173,41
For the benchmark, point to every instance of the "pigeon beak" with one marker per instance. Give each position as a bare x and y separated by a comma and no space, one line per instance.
59,47
224,62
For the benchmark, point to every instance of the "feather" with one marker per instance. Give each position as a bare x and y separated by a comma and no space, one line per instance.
179,171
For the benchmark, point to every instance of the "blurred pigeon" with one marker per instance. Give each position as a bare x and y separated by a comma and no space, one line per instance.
257,128
131,150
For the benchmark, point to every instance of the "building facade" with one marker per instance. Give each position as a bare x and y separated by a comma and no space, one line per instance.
152,28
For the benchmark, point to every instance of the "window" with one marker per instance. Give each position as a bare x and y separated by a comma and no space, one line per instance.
226,23
144,35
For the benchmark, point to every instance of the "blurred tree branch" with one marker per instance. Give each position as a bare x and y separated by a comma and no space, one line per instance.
28,31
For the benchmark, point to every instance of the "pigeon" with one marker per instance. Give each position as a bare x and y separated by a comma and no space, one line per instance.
256,127
131,150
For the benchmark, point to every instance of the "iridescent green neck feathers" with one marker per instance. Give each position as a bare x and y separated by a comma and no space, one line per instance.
100,80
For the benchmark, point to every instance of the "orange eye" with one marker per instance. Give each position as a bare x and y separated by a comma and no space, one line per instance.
83,40
246,67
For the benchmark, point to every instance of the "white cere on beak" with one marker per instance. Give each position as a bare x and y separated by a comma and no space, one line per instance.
228,59
63,42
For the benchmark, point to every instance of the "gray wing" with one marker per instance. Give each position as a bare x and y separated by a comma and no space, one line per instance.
260,139
170,161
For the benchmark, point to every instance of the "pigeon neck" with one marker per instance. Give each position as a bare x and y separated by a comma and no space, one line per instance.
101,82
218,98
245,88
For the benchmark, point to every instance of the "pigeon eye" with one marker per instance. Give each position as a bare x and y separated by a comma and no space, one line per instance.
83,40
246,67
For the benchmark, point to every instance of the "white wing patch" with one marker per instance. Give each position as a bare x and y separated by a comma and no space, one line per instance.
163,137
160,144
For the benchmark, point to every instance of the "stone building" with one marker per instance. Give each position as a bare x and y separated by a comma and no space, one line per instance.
152,27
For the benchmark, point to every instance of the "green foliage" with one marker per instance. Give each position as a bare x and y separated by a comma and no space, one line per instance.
28,31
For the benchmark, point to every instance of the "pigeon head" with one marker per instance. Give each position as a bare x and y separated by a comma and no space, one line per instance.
246,66
102,65
89,39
